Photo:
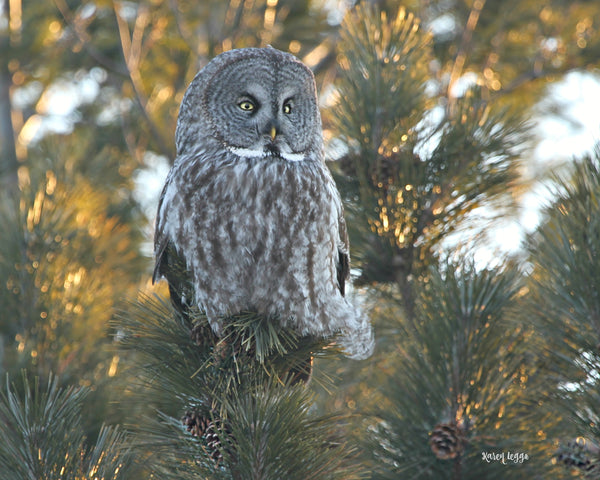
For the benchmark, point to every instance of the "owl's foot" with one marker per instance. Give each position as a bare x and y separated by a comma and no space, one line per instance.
202,335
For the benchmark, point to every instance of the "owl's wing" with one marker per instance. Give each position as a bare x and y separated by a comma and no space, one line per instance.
170,264
343,264
161,241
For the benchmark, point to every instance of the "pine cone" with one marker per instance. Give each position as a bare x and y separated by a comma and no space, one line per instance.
578,454
447,440
195,423
213,442
203,427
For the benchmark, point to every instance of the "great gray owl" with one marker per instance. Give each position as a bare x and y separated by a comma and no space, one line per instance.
250,209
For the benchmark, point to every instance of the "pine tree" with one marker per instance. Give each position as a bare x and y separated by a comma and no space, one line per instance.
416,165
451,380
470,359
564,253
458,406
66,259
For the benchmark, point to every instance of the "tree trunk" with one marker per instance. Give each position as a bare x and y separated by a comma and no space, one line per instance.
8,155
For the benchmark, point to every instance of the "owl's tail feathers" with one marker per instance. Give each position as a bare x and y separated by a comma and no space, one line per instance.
358,340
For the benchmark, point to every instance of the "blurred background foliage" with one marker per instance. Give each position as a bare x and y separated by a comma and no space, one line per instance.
429,109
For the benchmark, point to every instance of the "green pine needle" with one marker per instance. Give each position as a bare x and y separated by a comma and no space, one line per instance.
41,436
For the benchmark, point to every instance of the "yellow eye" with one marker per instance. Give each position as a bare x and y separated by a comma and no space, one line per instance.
287,108
246,105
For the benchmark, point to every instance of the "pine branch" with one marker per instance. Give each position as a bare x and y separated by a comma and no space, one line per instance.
42,436
181,354
566,249
457,376
413,181
277,437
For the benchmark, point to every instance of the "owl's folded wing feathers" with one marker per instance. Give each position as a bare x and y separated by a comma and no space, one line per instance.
160,240
343,265
171,265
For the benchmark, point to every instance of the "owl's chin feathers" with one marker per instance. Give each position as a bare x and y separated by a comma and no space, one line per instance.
266,153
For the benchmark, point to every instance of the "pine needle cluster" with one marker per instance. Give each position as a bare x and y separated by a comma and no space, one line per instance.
42,436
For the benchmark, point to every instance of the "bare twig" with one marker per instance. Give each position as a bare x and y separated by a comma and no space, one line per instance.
132,52
84,39
189,40
465,45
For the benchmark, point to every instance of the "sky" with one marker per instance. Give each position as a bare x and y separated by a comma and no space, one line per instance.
560,139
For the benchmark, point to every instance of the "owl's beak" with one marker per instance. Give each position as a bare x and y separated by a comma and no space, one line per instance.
271,129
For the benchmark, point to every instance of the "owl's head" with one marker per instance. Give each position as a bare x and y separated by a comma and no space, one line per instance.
255,102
